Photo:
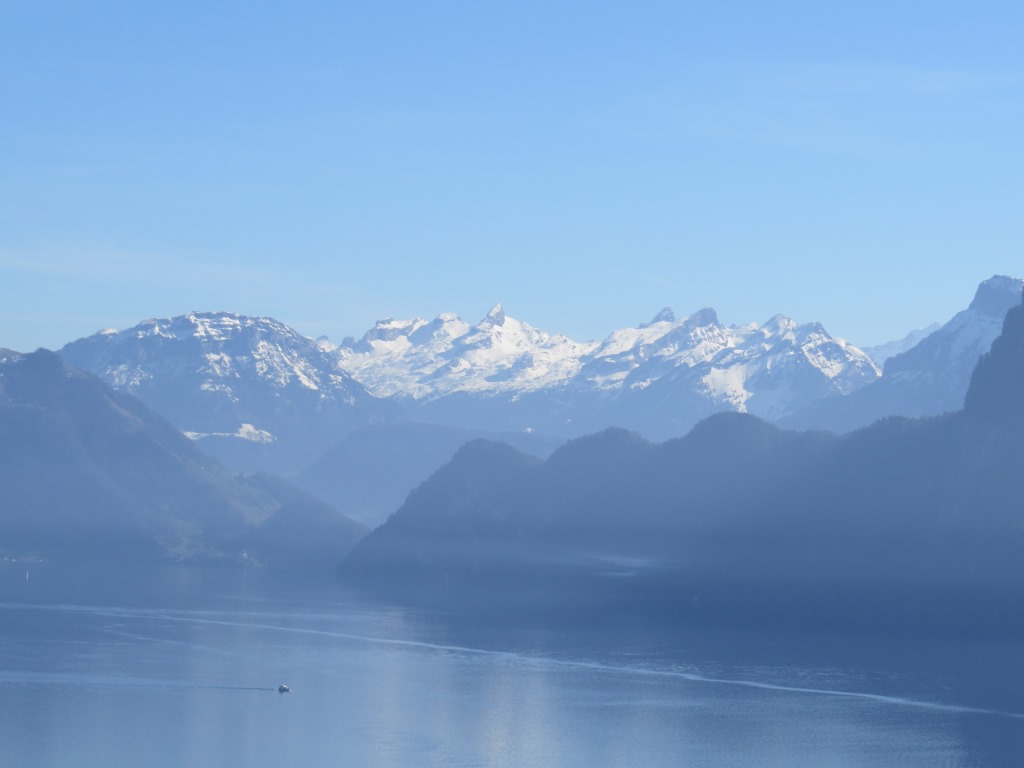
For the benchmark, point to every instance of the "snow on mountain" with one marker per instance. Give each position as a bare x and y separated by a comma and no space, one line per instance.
221,349
768,369
218,375
420,359
245,432
634,357
748,367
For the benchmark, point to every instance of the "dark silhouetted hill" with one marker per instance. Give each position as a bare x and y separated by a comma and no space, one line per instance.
369,473
88,472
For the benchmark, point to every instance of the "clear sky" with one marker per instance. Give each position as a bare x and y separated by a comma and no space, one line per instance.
331,163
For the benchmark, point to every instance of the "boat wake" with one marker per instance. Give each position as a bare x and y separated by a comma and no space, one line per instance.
539,661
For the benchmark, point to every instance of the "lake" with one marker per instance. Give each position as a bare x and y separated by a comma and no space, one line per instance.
180,666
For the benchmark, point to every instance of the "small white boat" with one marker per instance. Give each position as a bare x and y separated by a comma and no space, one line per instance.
282,688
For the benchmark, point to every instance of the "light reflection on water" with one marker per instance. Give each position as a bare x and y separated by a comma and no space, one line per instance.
181,668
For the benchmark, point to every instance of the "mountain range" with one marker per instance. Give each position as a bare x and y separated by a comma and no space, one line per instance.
260,396
736,519
362,423
659,378
89,468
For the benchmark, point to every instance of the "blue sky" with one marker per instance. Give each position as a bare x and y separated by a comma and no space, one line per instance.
333,163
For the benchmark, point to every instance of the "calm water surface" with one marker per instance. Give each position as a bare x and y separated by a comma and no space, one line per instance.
180,667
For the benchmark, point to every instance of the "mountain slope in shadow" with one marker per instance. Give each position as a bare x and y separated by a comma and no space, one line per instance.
87,472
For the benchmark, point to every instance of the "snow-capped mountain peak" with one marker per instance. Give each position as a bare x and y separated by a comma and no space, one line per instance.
389,330
703,316
220,345
666,315
496,316
776,326
224,374
420,359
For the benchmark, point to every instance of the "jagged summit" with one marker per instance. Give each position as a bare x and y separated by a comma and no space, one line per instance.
703,316
496,316
389,329
777,324
666,315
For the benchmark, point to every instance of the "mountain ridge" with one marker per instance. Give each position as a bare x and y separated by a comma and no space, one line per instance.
257,394
260,396
435,367
931,377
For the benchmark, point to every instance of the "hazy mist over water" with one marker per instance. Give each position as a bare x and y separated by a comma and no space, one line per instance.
734,482
179,666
